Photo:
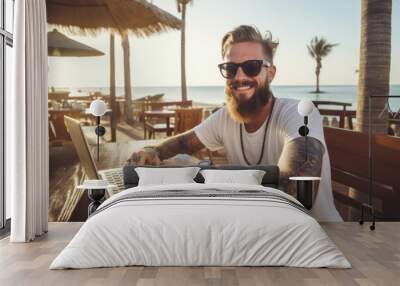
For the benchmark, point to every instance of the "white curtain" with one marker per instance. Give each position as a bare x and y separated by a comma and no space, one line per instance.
26,124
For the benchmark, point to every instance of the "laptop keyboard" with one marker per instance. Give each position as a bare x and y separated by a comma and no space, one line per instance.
114,177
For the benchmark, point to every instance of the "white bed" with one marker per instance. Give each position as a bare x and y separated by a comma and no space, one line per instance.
269,228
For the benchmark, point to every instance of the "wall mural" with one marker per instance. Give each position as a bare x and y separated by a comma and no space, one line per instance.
192,82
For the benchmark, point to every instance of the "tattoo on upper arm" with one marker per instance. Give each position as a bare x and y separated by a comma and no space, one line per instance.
293,160
187,143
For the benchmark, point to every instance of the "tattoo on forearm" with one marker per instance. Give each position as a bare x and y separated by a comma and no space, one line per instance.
293,160
186,143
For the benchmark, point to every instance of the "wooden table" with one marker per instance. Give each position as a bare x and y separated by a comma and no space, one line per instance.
161,114
114,155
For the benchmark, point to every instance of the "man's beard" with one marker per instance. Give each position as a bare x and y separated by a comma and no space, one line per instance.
244,111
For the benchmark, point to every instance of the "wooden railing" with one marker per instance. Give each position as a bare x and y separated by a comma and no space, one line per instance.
342,113
345,115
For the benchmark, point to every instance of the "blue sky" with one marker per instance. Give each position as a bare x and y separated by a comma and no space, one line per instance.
155,61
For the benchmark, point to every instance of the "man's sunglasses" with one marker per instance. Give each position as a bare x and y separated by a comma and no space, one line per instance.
251,68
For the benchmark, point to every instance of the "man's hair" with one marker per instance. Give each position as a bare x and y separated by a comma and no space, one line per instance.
246,33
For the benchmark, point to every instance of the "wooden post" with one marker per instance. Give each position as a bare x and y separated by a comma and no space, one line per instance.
127,81
113,102
183,57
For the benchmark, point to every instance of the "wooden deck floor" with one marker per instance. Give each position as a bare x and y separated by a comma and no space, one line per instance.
374,255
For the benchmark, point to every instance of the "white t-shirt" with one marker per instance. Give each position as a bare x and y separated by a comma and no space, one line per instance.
221,131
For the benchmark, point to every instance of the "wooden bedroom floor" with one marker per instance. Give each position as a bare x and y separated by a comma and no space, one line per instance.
375,257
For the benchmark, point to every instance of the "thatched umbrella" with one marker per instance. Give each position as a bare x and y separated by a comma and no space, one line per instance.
60,45
89,17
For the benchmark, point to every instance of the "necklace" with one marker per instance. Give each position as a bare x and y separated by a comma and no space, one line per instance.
265,136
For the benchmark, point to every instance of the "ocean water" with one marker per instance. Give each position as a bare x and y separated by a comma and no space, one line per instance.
216,95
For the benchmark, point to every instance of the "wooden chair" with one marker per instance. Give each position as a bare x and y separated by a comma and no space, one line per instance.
114,176
152,128
82,147
154,125
56,119
186,119
53,141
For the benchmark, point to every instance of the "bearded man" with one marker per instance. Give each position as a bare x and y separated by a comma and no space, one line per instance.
255,127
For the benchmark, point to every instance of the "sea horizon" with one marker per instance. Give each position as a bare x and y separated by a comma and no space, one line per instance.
213,85
214,94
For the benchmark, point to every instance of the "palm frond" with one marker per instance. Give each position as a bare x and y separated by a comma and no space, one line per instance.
319,47
311,51
182,2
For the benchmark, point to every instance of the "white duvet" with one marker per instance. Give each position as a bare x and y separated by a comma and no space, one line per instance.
192,231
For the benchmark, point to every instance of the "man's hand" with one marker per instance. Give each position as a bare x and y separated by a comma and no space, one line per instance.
185,143
145,156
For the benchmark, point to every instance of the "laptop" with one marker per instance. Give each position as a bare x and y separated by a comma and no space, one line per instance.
113,176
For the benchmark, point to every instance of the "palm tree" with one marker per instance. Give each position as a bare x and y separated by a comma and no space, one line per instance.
318,49
181,5
374,70
127,80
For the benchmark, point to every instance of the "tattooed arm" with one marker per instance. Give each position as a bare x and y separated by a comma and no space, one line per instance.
186,143
293,161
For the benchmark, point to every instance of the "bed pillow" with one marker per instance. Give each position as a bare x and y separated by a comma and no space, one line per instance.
166,176
248,177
